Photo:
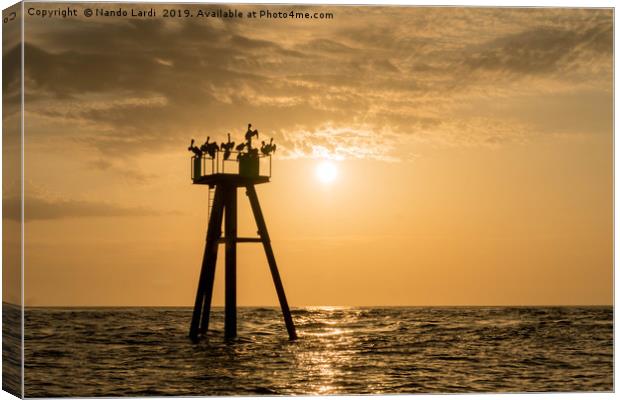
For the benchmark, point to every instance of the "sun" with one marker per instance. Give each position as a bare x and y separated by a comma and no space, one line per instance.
326,172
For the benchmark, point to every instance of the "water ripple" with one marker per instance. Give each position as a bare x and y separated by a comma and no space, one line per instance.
145,352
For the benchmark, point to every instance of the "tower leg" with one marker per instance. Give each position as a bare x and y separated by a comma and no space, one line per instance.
230,322
212,244
262,231
207,272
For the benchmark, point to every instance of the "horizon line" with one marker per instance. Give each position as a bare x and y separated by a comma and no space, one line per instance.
318,306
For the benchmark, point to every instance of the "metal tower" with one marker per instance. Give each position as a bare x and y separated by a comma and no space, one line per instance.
246,175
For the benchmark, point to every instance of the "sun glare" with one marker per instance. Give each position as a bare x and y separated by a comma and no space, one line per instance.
326,172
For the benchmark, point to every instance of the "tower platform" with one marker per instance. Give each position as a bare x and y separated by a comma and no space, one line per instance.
229,180
236,170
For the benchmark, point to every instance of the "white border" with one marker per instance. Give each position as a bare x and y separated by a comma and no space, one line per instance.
483,3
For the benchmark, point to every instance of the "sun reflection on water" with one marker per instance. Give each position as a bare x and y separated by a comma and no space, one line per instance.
332,340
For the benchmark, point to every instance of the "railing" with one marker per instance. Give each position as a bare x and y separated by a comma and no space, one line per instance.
237,163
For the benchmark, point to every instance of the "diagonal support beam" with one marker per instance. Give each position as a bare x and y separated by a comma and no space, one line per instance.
277,281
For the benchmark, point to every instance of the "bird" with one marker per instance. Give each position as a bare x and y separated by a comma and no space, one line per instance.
227,147
264,149
267,149
249,134
272,147
210,148
203,148
194,149
213,148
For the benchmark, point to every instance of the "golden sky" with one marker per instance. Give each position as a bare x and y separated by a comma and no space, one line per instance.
473,149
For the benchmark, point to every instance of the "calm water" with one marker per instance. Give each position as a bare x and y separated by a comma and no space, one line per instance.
145,351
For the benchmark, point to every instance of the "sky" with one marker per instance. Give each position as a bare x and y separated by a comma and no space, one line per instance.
472,149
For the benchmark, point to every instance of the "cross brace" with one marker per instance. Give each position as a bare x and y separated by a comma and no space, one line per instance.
242,240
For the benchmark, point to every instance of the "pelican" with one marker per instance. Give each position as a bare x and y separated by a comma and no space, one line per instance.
227,147
203,148
210,148
194,149
249,134
267,149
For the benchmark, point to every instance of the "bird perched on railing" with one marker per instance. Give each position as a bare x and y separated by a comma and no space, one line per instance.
194,149
249,134
267,149
210,148
227,147
240,148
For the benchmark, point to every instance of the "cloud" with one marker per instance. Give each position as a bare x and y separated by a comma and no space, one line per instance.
37,209
134,86
41,205
543,50
339,143
125,170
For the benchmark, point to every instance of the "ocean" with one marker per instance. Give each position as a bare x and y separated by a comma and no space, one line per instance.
406,350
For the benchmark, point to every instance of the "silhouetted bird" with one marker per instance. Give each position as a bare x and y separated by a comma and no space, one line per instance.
271,147
194,149
203,147
227,147
249,134
239,149
210,148
267,149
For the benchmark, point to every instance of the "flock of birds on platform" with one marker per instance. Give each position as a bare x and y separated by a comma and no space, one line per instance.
211,148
